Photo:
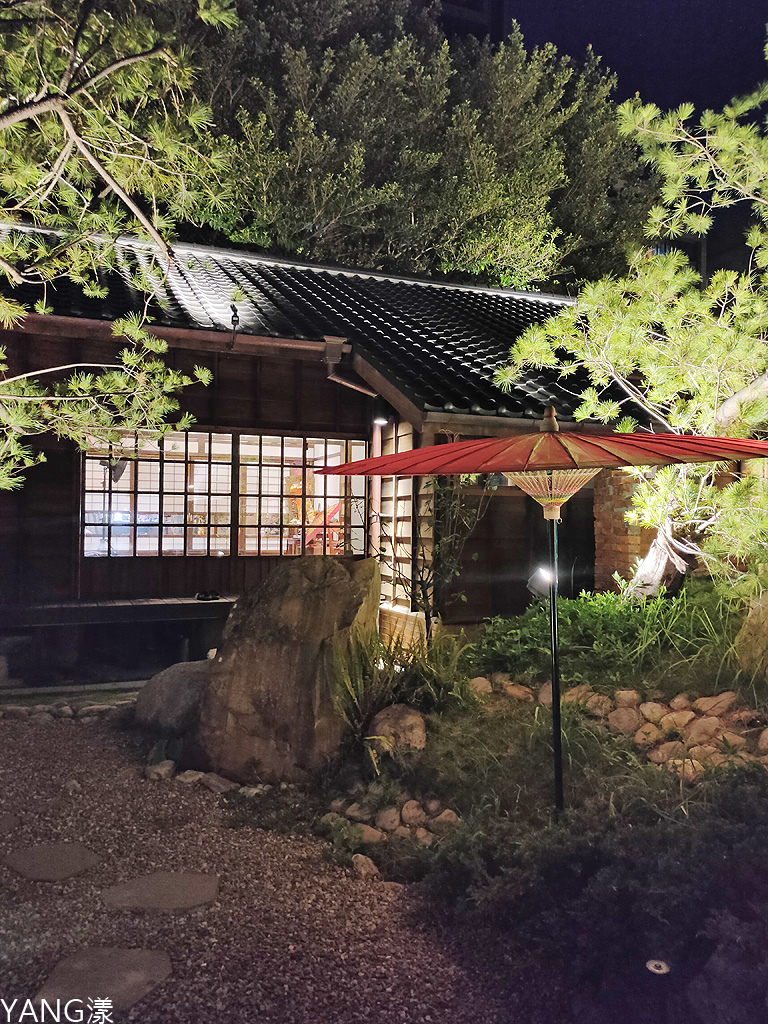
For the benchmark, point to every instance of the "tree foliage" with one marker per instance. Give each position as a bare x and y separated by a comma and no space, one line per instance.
682,355
101,134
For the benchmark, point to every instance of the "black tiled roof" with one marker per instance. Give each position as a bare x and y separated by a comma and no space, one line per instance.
439,344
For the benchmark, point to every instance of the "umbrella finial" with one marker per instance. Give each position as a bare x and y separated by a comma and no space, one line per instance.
549,423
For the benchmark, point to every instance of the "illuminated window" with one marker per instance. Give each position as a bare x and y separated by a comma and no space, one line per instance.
175,497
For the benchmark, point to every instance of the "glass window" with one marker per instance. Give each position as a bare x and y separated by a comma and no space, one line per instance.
173,497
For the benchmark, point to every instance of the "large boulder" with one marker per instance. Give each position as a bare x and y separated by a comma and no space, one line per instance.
268,712
752,639
398,727
170,701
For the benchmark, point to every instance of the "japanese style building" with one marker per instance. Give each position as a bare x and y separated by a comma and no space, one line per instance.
311,366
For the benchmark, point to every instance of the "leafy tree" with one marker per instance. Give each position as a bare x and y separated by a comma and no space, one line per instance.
101,135
373,142
692,356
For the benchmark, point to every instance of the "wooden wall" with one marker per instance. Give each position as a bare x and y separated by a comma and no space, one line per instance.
39,525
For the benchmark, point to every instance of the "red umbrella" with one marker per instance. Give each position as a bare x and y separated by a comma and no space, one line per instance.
551,467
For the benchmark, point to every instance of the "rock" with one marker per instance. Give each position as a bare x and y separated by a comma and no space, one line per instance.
717,705
189,777
359,812
680,703
577,694
500,679
65,712
673,748
163,890
170,702
599,705
161,772
331,818
16,711
544,695
628,699
703,730
402,832
702,752
518,691
751,644
269,703
732,739
398,727
480,685
432,806
370,835
52,862
676,720
413,813
423,837
72,787
653,711
339,805
685,768
387,819
94,709
445,821
122,975
625,720
762,743
364,867
648,734
217,784
40,717
249,792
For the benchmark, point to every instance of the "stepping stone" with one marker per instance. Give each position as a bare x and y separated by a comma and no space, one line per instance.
52,862
163,890
122,975
8,822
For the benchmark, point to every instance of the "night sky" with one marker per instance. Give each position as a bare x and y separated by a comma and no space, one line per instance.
669,51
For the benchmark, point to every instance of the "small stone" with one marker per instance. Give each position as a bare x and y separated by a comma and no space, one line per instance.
370,835
625,720
432,806
599,705
413,813
677,720
717,705
40,717
685,768
15,711
189,777
52,862
122,975
673,748
732,739
544,695
762,743
445,821
65,712
703,730
653,711
364,867
702,752
161,772
518,691
577,694
387,819
163,890
648,734
94,709
217,783
249,792
402,832
500,679
480,685
72,787
40,709
628,699
339,805
423,837
359,812
680,703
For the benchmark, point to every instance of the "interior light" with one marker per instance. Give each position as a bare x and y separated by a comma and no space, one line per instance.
380,421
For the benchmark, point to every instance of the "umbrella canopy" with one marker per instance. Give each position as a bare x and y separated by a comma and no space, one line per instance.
549,449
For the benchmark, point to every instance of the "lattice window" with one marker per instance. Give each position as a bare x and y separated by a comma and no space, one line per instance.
204,493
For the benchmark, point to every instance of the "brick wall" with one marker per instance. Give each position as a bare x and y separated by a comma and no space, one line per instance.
618,544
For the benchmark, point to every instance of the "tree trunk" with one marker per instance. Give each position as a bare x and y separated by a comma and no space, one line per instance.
663,568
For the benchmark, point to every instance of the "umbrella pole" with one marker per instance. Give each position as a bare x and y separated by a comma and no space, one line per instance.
557,732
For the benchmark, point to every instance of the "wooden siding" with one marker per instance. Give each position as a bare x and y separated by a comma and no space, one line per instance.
396,526
40,557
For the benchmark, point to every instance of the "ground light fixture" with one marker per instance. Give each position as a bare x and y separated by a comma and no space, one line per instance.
551,466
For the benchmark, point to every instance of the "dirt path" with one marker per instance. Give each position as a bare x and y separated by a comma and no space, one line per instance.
291,939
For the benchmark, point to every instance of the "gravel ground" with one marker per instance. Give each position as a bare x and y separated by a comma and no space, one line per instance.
292,938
